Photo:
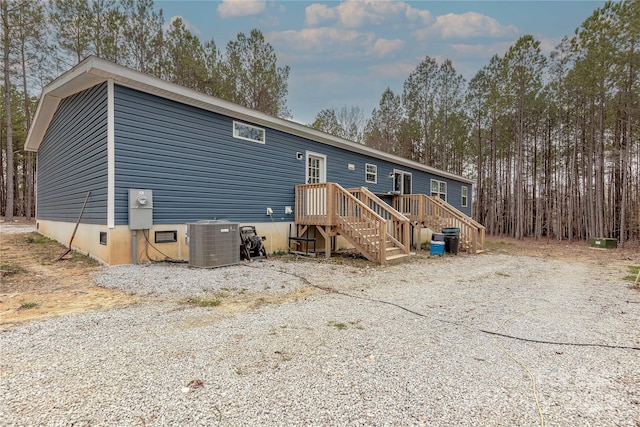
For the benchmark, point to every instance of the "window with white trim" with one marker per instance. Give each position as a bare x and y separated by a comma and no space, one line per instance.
439,189
465,196
371,173
248,132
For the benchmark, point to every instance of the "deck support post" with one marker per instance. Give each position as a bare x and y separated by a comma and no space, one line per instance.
326,234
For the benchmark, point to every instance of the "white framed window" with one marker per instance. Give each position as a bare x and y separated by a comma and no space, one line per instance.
371,173
248,132
464,191
439,189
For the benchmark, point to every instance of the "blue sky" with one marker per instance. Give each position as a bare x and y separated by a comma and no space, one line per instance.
346,53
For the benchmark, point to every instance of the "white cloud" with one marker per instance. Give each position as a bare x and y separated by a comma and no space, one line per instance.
324,39
466,25
335,42
386,47
357,13
236,8
317,13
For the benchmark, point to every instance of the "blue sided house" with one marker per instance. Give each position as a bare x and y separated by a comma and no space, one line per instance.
137,159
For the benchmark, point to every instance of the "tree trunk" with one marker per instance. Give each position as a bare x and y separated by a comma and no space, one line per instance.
7,101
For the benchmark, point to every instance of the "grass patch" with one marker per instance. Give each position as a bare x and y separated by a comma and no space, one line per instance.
38,239
341,325
28,305
203,302
356,324
337,325
10,269
633,270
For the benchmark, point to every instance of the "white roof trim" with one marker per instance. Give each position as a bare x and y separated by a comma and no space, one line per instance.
93,71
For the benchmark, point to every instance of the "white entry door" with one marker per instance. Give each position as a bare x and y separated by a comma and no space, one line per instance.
316,168
316,174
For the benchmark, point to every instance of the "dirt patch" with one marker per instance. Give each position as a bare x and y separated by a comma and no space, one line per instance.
35,286
576,251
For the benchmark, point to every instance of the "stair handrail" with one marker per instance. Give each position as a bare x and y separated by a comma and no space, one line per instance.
477,238
420,207
375,248
452,209
329,208
398,225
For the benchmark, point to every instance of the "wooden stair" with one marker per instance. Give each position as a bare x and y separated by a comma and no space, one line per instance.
370,225
434,213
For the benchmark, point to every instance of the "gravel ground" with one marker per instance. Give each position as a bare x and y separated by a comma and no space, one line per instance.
15,228
402,345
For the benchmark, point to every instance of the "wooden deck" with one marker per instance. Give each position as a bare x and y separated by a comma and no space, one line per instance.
366,222
382,233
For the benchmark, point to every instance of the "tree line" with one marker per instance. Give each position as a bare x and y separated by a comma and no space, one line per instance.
42,40
552,141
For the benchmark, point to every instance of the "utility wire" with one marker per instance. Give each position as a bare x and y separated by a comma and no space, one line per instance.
168,258
493,334
452,322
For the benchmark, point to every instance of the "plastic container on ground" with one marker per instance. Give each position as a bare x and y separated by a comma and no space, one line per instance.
451,244
436,248
451,240
451,231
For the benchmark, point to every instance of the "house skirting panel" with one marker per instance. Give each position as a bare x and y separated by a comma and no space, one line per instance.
119,240
86,240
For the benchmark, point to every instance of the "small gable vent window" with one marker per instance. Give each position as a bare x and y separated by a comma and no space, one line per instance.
371,173
166,236
248,132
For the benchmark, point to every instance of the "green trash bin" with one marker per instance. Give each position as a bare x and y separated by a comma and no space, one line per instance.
451,240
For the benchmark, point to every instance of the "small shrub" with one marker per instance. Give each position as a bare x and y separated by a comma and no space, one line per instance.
28,305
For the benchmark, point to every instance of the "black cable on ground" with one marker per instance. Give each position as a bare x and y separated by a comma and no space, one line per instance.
575,344
416,313
168,258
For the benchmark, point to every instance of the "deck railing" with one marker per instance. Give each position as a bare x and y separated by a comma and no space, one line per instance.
328,204
398,225
436,214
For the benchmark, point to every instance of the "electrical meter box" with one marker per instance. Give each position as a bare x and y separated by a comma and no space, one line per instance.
140,209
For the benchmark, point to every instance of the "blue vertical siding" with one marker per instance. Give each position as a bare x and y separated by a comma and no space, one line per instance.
72,160
197,170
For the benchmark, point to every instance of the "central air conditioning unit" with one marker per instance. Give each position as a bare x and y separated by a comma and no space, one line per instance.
213,243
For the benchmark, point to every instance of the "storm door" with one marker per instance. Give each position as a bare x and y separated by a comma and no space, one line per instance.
316,198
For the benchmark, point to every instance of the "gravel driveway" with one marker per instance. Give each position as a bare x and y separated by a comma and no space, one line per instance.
487,340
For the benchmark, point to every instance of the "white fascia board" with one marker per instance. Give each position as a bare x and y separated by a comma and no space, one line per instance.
98,70
73,81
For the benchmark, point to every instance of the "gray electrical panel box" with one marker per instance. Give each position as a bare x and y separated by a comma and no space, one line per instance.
140,209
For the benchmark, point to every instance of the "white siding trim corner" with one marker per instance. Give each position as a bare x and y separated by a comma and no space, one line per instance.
111,155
